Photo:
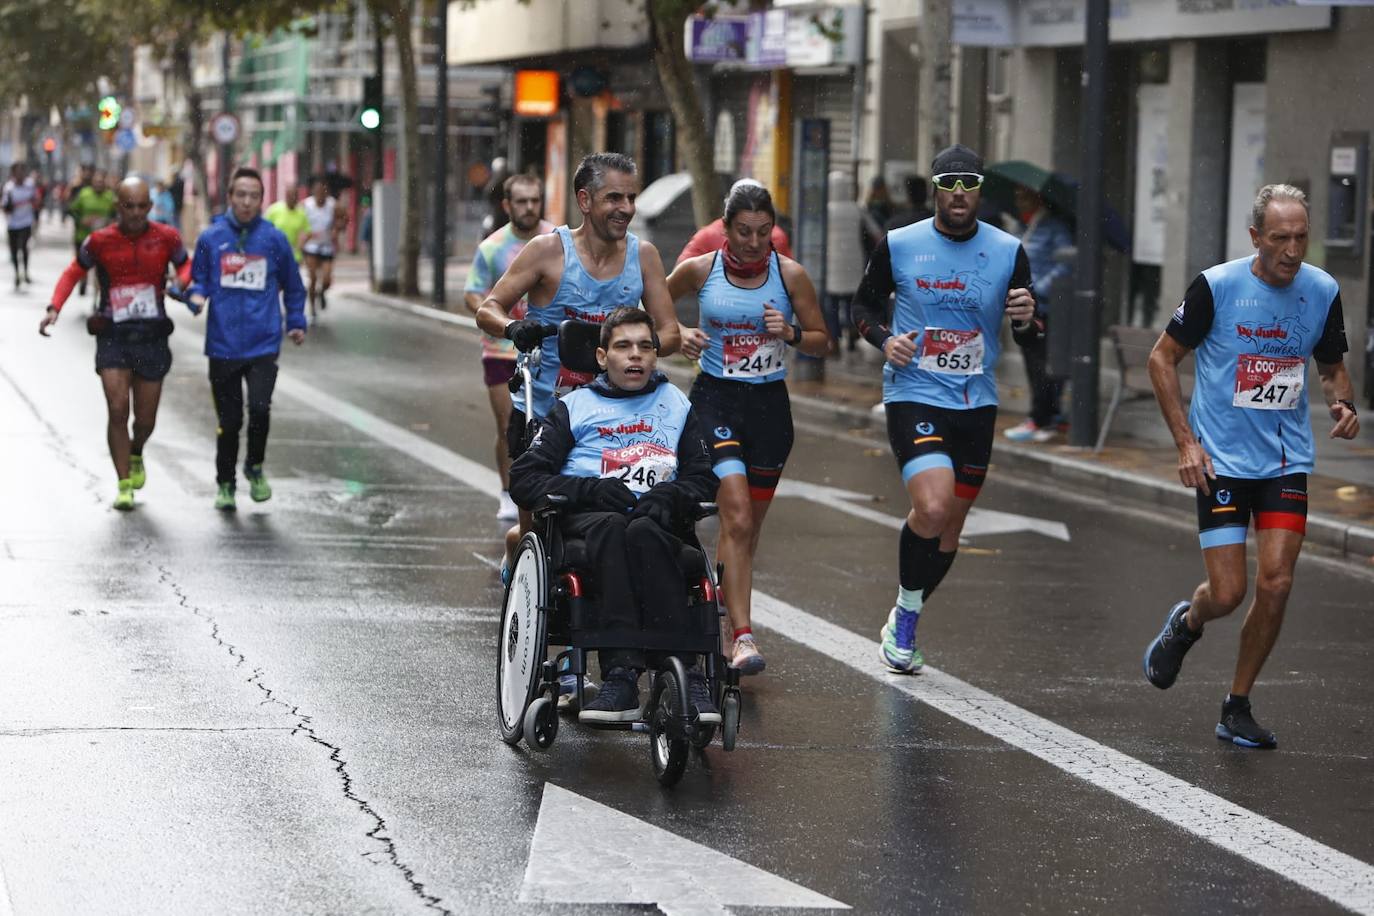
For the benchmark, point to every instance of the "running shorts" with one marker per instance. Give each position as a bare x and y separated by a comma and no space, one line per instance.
924,437
750,429
497,370
322,252
149,359
1224,515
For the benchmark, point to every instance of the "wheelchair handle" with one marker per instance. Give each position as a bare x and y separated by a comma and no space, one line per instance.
706,510
548,330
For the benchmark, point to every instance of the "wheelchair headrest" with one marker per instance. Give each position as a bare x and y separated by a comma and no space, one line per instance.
577,343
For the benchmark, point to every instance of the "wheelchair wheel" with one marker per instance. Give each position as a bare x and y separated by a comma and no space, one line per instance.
522,637
541,724
669,754
729,719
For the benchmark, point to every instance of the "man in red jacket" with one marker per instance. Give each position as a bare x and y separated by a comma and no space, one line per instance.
131,326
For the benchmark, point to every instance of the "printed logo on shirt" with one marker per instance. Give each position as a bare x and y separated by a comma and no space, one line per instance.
1223,497
1178,312
722,432
965,290
925,428
642,425
1272,338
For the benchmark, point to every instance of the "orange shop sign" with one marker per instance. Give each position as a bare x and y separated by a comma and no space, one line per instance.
536,93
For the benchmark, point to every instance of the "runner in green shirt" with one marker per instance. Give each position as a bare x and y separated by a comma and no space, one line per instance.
93,208
290,218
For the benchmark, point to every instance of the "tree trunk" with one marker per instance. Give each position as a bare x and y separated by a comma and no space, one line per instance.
412,212
195,115
933,91
666,21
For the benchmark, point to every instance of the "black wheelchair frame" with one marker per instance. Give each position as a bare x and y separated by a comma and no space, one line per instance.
546,603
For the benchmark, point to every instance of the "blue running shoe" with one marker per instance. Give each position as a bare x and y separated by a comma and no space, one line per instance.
1164,657
898,650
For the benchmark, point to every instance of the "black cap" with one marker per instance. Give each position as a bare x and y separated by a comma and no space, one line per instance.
956,158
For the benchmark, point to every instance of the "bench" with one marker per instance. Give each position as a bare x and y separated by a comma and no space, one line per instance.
1132,347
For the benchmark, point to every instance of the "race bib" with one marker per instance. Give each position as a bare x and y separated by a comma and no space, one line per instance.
952,352
640,466
242,271
132,303
752,355
1269,382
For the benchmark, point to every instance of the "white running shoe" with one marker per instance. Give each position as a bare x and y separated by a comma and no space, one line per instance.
507,512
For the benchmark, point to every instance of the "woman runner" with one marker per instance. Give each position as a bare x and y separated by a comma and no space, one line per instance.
750,296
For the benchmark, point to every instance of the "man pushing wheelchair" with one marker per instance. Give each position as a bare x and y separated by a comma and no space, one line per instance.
626,458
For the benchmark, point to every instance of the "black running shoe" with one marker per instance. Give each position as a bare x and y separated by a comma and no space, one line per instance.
699,694
618,699
1164,657
1239,727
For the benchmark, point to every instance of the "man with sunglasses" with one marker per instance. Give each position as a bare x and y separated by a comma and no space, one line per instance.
955,279
245,268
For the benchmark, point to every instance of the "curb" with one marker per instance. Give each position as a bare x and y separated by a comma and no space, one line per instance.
1353,541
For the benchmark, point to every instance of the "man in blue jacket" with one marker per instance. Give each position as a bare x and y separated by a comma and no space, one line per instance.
244,270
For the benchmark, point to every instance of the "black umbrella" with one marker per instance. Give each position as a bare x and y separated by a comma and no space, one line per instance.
1059,192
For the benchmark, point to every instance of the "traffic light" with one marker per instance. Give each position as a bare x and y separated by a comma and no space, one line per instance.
371,114
109,113
49,145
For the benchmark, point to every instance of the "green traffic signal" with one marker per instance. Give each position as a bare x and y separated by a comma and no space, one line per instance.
109,113
371,114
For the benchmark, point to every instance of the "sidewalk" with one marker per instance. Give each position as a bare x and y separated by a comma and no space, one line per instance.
1138,463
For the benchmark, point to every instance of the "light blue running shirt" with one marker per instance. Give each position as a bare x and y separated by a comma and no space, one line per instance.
1252,342
953,293
580,296
739,347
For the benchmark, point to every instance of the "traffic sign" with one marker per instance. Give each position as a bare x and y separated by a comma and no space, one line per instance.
125,139
225,128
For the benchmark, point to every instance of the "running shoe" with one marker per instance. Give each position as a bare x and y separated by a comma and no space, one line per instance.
224,499
258,487
324,303
898,650
125,500
138,476
1027,431
1239,727
1164,657
747,657
699,695
618,699
507,510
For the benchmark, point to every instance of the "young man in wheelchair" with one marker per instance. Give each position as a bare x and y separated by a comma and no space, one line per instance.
628,453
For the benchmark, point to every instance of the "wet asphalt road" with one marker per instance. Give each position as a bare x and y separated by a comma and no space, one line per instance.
290,709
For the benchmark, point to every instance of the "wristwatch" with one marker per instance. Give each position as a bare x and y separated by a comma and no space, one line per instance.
1348,404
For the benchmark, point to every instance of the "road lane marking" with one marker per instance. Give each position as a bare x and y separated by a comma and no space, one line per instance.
1319,868
6,904
980,521
681,877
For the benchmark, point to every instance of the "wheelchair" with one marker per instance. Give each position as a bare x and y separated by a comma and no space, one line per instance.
547,602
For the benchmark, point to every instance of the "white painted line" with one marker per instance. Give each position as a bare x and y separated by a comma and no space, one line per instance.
1268,844
980,521
6,903
681,877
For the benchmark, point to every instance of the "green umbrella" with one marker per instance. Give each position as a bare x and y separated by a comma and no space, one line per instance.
1059,192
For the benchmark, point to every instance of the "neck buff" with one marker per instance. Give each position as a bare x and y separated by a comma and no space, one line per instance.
744,269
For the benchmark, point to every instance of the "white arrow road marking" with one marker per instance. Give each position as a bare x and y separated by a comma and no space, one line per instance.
681,877
1319,868
980,521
